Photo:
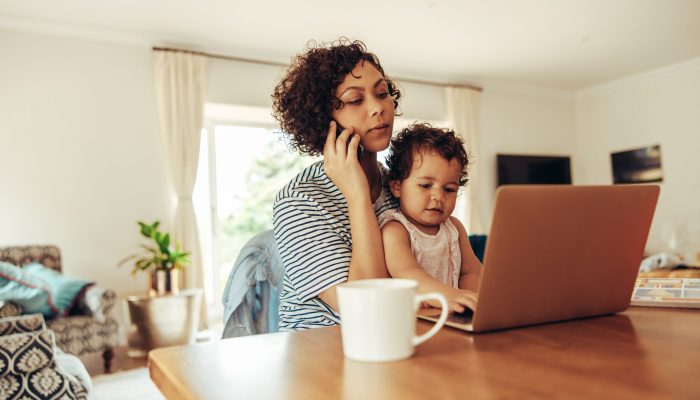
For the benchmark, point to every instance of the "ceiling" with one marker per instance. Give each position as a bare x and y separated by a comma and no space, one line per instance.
561,44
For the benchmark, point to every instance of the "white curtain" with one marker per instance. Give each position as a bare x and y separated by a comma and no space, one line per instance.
462,109
180,81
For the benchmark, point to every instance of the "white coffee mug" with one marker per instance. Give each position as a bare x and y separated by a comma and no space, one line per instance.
378,318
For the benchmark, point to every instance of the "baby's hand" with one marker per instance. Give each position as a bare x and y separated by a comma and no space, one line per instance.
458,299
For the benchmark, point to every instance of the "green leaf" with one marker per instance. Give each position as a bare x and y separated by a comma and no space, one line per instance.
157,254
142,262
127,258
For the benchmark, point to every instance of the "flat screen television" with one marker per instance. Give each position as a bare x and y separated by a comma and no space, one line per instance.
637,166
524,169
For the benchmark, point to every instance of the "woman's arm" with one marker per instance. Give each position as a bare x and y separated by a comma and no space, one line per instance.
367,260
402,264
470,271
342,167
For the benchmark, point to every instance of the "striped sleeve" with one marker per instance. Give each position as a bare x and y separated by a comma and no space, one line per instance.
314,254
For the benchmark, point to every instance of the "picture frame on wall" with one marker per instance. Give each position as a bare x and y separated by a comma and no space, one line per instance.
642,165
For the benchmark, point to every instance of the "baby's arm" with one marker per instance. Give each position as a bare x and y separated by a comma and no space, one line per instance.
470,271
402,264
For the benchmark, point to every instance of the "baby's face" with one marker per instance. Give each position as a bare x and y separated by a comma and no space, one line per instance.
429,194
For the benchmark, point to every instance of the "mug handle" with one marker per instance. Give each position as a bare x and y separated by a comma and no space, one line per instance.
441,321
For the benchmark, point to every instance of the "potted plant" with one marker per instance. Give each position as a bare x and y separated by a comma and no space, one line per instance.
160,259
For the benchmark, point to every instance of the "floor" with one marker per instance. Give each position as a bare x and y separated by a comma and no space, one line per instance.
121,362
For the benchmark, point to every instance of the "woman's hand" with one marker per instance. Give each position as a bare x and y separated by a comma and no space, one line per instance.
341,164
342,167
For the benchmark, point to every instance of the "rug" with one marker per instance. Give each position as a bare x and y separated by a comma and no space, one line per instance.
134,384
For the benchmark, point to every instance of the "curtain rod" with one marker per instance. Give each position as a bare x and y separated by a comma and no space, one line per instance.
279,64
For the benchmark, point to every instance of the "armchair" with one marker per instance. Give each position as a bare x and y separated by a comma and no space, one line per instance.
93,328
28,367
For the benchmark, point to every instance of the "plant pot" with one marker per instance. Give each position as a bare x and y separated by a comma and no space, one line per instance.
160,321
164,282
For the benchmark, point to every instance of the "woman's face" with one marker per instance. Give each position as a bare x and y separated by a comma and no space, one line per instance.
367,106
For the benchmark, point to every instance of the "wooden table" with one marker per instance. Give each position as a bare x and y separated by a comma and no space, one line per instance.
639,354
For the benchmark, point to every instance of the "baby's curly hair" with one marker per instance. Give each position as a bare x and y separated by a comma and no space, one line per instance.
420,138
303,100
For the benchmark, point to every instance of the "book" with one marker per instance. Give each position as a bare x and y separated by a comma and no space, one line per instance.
667,292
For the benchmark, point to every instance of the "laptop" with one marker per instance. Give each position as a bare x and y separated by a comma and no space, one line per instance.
559,252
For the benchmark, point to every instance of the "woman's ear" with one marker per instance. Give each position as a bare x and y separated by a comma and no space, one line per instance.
395,187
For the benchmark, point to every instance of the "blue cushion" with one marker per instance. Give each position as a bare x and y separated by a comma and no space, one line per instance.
20,288
38,289
478,243
64,291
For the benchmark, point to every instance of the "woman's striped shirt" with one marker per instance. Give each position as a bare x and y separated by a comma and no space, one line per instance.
312,230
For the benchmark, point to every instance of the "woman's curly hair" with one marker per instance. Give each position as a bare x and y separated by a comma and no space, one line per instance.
303,100
420,138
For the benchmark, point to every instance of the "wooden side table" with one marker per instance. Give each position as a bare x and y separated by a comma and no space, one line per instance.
162,321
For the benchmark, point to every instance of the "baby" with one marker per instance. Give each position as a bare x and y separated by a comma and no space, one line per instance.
427,166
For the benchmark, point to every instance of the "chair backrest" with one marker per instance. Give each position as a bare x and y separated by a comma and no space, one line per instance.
22,324
48,255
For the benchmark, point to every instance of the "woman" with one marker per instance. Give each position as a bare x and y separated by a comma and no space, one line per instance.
325,219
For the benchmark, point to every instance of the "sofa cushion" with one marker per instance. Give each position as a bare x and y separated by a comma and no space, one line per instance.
24,290
38,289
23,353
64,291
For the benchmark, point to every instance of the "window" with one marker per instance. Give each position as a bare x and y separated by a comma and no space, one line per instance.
243,163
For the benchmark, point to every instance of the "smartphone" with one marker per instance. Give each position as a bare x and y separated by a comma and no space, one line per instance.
339,129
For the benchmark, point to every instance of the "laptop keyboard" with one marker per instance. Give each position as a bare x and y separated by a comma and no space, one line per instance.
461,318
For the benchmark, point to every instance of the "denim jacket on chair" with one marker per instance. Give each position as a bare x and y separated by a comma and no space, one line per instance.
251,295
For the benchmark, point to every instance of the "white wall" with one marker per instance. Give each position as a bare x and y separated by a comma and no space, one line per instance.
232,82
80,153
517,119
660,107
